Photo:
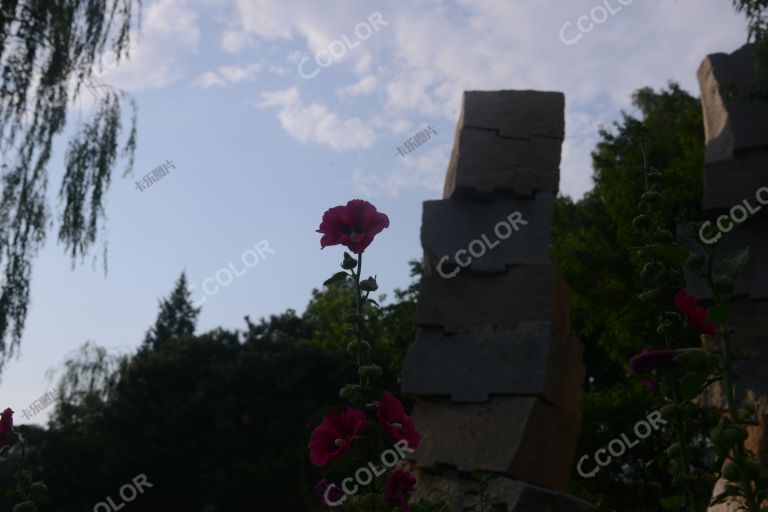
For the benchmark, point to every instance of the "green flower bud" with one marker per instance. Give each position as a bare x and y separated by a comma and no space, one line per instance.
351,392
349,262
23,478
651,197
641,222
38,491
352,347
25,506
663,236
369,285
370,371
649,269
654,177
648,295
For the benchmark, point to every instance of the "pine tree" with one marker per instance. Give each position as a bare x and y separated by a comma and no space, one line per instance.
177,316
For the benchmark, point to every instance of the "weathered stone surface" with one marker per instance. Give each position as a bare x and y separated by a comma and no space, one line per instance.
518,496
753,280
507,141
750,321
515,114
521,437
482,163
532,360
733,120
731,182
492,235
751,386
523,294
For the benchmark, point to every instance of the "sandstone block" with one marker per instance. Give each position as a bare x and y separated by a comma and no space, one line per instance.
734,120
521,437
486,236
750,321
523,294
534,359
515,114
482,163
751,386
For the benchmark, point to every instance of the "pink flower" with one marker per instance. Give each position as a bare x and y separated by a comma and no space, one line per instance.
694,314
400,484
649,360
398,425
6,426
333,437
354,225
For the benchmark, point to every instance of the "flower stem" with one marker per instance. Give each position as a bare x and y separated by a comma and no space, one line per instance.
359,323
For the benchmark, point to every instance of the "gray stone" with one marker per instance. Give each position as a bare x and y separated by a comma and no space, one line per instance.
482,164
515,114
730,182
494,235
750,383
733,120
521,437
518,496
523,294
532,360
753,280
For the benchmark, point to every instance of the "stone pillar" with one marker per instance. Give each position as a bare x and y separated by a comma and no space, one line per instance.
736,188
499,379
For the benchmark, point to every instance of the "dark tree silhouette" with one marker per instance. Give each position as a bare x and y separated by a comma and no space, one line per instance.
177,315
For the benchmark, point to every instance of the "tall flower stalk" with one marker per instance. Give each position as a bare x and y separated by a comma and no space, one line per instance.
692,370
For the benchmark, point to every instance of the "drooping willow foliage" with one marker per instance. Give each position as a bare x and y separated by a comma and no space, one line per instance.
50,53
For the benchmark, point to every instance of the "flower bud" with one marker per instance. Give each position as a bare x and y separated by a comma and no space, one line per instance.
641,222
651,197
369,285
349,262
674,450
648,295
370,371
25,506
663,236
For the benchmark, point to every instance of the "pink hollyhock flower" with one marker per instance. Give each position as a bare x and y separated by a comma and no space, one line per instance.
6,426
354,225
400,484
694,314
398,425
649,360
333,437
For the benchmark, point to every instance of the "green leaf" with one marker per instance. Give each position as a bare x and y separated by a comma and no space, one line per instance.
719,314
733,266
669,253
338,277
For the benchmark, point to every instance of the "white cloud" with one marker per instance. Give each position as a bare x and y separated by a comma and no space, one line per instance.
228,75
365,86
424,170
423,62
315,123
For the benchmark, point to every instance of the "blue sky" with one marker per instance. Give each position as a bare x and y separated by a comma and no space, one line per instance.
260,152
